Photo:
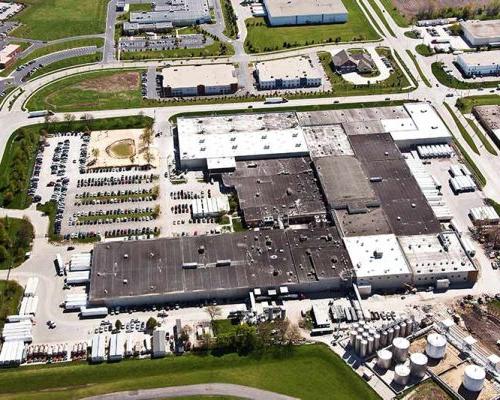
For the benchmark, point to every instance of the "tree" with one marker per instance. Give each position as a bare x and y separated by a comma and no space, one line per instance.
245,339
151,324
147,136
69,118
95,152
213,312
4,254
118,325
148,156
185,332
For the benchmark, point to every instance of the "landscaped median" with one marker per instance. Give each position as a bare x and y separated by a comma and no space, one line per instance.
417,66
264,38
307,372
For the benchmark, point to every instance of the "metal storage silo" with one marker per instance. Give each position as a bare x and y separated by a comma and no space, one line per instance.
372,331
363,347
384,359
401,374
402,329
474,377
390,335
376,344
436,346
352,338
397,331
357,343
400,347
409,327
371,343
418,364
384,338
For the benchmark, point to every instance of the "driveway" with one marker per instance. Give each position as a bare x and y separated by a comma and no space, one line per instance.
208,389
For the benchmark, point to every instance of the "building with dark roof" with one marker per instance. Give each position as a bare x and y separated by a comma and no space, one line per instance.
224,266
345,62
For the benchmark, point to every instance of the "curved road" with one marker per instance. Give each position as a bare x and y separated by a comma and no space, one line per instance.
207,389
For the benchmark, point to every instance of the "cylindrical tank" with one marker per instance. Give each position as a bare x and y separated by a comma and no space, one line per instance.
390,335
384,338
402,329
365,335
360,331
401,374
376,344
371,331
371,343
418,364
400,347
352,338
355,326
357,343
397,331
436,346
474,376
409,327
384,359
363,347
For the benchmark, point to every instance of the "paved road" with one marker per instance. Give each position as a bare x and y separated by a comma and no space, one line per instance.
208,389
109,53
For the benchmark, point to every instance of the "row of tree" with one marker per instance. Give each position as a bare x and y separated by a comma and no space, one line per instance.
15,239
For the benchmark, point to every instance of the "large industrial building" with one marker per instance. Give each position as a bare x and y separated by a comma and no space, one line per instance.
9,54
199,80
298,12
224,266
482,33
288,73
483,63
175,12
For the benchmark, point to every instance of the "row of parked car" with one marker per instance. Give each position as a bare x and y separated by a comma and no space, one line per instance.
112,180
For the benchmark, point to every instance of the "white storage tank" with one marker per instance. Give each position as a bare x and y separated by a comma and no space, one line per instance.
352,338
436,346
418,364
363,347
384,338
397,331
384,359
390,335
402,331
376,344
474,377
371,343
409,327
357,343
401,374
400,347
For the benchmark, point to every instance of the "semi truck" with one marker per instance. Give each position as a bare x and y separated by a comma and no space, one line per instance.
41,113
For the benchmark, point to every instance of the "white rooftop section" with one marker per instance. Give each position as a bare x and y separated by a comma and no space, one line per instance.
377,255
427,125
480,58
287,68
193,75
284,8
434,254
484,213
470,340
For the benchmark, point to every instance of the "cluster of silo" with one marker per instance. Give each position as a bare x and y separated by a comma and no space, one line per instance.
366,340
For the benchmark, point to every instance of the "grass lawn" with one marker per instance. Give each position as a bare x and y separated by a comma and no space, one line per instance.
231,29
487,145
90,91
424,50
370,17
411,35
10,297
68,62
140,7
398,17
452,82
52,48
215,49
380,14
55,19
462,130
340,87
294,373
224,326
427,390
420,72
263,38
465,104
16,238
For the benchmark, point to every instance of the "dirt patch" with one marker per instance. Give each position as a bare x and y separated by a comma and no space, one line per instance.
482,325
119,82
412,8
428,390
121,149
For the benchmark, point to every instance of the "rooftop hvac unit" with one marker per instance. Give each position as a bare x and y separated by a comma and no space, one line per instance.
377,254
190,265
223,263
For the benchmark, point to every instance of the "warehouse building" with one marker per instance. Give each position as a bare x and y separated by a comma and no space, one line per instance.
224,266
483,63
489,118
9,54
378,262
288,73
482,33
279,191
298,12
199,80
438,260
176,12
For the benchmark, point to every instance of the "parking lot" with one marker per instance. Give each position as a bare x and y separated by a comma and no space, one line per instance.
440,36
164,42
112,202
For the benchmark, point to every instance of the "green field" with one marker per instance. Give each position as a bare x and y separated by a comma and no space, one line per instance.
263,38
465,104
398,18
340,87
424,50
380,14
295,373
452,82
56,19
68,62
52,48
90,91
10,297
16,236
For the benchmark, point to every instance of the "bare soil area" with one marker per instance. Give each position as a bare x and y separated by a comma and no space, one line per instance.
411,8
427,390
114,83
483,325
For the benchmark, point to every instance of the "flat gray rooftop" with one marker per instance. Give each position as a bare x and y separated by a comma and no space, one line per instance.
489,116
284,8
327,140
355,115
373,222
483,29
132,269
344,183
276,187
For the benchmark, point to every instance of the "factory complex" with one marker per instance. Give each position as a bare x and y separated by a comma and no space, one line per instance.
296,12
330,194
